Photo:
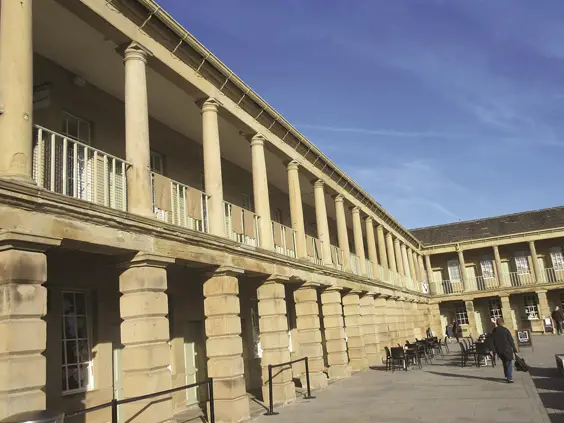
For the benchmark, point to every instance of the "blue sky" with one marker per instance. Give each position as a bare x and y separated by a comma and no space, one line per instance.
443,110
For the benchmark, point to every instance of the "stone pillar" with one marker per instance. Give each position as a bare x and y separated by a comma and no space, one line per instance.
369,329
23,332
380,324
471,318
510,323
412,267
137,145
534,258
260,191
16,88
406,269
145,336
501,278
335,338
353,328
382,247
212,166
544,309
342,233
274,340
435,320
429,270
296,208
321,219
224,346
421,266
309,334
399,260
391,254
462,265
391,320
358,240
371,241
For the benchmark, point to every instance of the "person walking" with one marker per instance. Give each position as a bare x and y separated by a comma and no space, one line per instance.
456,330
558,317
504,346
448,332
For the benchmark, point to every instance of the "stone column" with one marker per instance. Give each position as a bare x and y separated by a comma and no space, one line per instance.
462,265
212,166
412,266
23,332
429,269
391,320
380,324
501,278
260,191
16,88
507,314
296,207
423,274
321,219
399,262
137,145
544,310
534,258
406,269
435,319
371,241
382,247
391,254
335,338
273,325
353,328
358,240
368,327
471,318
342,233
309,334
224,346
145,336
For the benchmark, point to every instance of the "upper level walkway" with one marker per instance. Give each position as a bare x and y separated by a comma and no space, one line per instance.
440,393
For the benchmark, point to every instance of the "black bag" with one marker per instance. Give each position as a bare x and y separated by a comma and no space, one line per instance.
520,364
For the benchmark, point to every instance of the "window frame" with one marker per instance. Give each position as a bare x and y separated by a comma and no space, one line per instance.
489,274
90,362
494,305
457,267
461,314
153,154
531,307
555,264
65,131
521,256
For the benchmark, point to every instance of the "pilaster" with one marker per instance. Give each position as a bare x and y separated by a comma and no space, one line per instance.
353,328
145,336
510,322
391,254
335,338
544,310
371,241
23,332
224,346
382,248
462,265
535,259
435,319
309,333
381,326
260,191
368,326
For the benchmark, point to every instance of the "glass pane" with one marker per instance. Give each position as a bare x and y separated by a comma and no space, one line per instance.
84,375
84,131
68,303
72,353
80,303
73,378
72,127
70,327
82,331
83,351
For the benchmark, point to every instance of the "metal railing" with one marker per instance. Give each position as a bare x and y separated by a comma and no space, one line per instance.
284,239
69,167
519,279
446,287
337,258
241,225
355,263
554,275
179,204
480,283
270,411
115,402
314,250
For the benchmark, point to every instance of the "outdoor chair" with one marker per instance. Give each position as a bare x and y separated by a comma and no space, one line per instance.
422,351
398,358
412,354
388,358
445,344
438,347
465,354
483,351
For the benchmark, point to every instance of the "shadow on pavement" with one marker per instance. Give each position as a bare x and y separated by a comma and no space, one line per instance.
492,379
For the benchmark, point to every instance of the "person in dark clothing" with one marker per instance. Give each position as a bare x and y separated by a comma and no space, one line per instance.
558,317
456,330
504,347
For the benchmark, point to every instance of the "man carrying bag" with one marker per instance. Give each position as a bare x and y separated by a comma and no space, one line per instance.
505,348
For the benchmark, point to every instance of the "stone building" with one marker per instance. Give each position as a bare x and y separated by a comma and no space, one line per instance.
160,223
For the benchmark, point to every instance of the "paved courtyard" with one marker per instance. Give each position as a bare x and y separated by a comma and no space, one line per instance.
441,392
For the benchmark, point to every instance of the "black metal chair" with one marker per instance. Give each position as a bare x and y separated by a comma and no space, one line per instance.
446,345
398,358
464,354
438,347
412,354
482,350
388,358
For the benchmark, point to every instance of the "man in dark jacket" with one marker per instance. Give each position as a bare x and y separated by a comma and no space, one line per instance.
558,317
504,347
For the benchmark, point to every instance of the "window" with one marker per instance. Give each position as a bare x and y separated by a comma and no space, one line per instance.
157,162
461,314
77,128
531,308
487,268
453,270
278,216
557,258
495,308
76,357
522,263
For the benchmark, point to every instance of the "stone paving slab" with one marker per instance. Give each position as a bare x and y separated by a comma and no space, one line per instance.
439,393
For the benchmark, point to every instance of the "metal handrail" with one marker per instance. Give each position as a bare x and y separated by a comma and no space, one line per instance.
114,403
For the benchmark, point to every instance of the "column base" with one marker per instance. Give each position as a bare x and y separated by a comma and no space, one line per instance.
232,410
316,381
282,393
340,371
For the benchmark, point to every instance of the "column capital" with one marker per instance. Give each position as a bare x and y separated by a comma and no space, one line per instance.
541,291
134,51
355,210
293,165
338,198
23,241
277,279
145,259
257,139
334,288
388,235
369,219
318,183
210,104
